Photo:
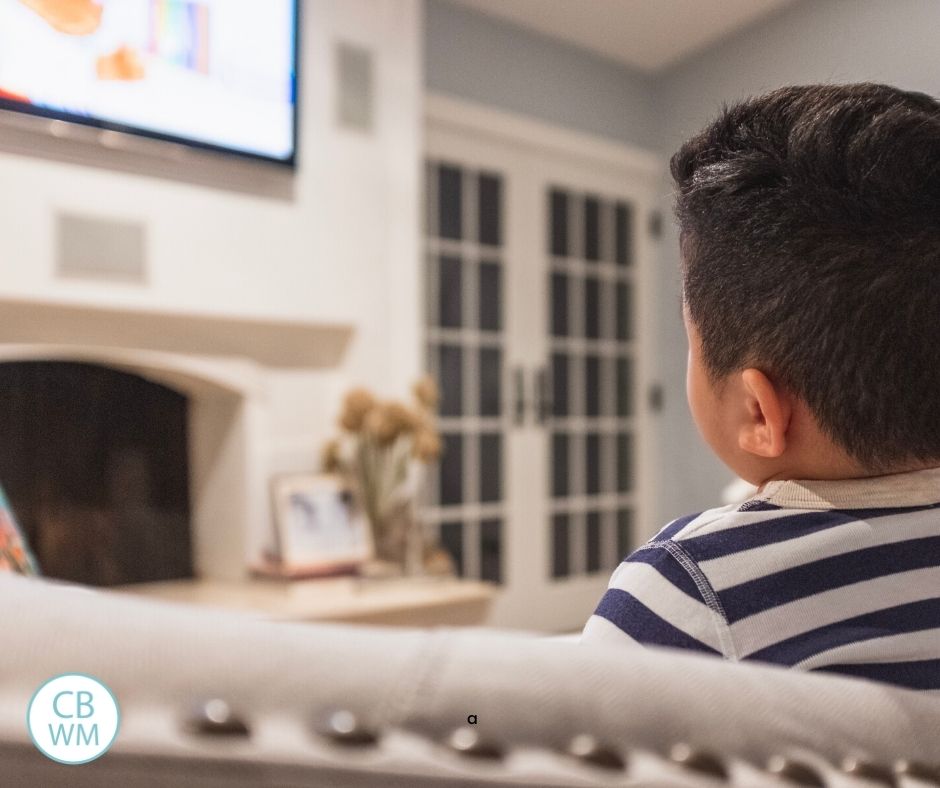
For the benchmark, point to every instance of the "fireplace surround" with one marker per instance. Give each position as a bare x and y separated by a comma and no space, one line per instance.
224,370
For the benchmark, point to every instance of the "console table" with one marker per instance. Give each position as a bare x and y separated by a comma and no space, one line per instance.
407,602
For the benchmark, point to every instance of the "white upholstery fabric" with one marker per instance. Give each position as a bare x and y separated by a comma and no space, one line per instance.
414,687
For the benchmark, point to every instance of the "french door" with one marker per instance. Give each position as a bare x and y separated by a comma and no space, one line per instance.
535,325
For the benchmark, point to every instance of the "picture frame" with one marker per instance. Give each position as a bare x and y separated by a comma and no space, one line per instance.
319,528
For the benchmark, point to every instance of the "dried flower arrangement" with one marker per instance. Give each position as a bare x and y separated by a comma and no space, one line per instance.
383,451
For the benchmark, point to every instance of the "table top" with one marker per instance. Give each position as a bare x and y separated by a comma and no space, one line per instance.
324,599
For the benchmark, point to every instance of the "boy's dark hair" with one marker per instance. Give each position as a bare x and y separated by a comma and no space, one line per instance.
810,227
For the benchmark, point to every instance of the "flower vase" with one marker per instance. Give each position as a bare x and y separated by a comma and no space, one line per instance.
399,541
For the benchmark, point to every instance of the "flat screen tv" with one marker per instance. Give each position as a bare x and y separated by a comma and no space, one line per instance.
215,74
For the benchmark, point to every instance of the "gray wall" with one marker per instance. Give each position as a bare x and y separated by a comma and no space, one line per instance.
492,62
483,59
894,41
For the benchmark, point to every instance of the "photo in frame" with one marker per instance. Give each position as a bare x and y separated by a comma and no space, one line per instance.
319,528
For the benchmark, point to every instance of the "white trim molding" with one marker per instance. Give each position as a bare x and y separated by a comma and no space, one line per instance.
510,127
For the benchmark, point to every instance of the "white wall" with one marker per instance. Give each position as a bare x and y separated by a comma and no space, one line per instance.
334,243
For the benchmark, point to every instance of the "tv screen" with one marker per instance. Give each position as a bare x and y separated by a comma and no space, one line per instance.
218,74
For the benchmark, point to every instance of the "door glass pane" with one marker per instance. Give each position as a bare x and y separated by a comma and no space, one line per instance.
560,384
609,478
593,540
450,371
491,305
622,220
624,462
450,292
491,370
451,473
491,558
592,386
491,452
592,229
558,207
559,465
450,202
624,533
592,461
560,564
490,209
560,305
592,317
451,535
624,386
608,386
624,311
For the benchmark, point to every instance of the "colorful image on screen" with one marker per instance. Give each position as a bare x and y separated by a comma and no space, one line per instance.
212,72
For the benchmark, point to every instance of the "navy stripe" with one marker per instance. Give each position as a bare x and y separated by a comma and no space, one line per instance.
668,566
745,537
910,617
705,547
674,527
763,593
758,506
922,674
627,613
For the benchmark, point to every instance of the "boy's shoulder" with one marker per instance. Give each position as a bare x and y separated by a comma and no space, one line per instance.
720,518
784,511
758,538
773,537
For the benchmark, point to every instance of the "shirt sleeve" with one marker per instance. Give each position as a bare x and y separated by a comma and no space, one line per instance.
657,597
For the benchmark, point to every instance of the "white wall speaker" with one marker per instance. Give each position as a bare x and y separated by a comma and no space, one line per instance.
92,247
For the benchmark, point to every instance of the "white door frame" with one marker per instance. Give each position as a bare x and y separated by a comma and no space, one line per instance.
643,170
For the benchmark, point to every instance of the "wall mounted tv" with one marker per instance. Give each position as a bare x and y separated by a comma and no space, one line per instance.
214,74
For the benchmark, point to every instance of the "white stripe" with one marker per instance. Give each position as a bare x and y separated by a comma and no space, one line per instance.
701,520
801,615
668,602
733,519
730,570
599,630
904,647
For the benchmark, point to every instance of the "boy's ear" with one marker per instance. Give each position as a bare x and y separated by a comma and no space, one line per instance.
767,416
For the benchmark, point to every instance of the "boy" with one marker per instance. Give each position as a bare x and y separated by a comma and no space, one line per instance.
810,235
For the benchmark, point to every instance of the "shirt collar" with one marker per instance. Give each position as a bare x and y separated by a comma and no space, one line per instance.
913,488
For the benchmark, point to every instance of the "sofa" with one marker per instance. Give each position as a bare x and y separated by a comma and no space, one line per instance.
218,699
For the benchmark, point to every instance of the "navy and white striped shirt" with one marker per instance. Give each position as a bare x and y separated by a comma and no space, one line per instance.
839,576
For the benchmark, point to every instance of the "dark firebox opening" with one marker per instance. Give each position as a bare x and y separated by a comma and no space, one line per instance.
95,464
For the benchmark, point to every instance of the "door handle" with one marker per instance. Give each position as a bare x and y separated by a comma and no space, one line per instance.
519,407
543,395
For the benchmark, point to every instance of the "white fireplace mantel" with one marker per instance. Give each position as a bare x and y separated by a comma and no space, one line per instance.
272,342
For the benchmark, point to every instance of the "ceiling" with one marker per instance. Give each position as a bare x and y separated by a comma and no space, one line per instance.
646,34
